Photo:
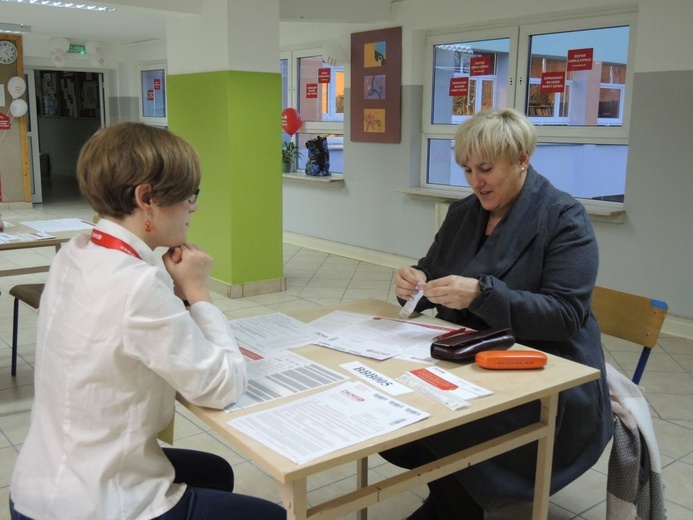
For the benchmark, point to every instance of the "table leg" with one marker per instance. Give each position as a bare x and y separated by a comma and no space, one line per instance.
542,485
362,482
295,499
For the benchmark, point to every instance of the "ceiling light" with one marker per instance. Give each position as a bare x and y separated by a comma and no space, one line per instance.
15,28
71,5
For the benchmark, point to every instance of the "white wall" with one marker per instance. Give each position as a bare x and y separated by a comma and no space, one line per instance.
224,37
369,212
664,36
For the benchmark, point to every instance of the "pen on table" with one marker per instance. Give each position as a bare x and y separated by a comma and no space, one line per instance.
461,330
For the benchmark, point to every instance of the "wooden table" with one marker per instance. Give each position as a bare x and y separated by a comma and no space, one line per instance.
510,389
17,227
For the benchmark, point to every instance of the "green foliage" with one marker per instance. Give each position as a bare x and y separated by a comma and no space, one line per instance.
290,152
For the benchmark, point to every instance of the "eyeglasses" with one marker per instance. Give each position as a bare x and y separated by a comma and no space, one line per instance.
193,198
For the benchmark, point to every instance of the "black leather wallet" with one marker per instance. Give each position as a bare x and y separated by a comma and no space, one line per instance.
463,347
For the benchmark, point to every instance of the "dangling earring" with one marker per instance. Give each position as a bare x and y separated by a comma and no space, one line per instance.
148,225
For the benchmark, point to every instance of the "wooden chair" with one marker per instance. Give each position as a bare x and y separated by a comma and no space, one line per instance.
630,317
30,294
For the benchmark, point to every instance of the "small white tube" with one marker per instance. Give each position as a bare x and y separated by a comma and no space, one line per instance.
409,307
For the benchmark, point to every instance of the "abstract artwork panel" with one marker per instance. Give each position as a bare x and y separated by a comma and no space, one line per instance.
374,120
374,87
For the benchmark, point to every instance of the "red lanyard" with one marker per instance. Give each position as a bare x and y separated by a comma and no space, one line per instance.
110,242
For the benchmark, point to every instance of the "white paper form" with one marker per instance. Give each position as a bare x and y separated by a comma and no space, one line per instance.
6,238
60,224
283,374
327,421
383,338
265,335
24,237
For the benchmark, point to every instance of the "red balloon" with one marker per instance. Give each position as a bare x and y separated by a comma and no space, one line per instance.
291,121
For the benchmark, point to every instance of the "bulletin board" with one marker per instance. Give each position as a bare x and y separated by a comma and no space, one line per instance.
376,76
15,174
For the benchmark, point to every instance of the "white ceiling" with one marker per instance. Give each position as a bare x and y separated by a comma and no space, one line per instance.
126,24
131,22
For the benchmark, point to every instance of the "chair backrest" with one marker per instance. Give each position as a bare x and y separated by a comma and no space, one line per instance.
628,316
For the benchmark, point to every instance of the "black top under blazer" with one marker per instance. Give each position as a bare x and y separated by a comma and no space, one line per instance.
537,271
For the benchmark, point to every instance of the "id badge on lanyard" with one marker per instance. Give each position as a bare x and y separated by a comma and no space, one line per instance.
110,242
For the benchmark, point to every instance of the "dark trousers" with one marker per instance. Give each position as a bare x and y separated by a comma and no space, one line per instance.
447,498
209,494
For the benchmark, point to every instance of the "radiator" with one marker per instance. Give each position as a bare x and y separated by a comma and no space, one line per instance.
441,209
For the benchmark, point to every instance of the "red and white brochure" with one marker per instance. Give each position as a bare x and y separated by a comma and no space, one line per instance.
443,386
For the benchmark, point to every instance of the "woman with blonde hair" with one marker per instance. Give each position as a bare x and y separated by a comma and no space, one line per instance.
519,254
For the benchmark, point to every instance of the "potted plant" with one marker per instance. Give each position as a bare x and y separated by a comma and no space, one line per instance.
290,154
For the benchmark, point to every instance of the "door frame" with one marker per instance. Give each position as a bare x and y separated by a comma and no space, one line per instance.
33,136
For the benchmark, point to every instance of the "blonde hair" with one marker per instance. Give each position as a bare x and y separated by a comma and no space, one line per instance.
117,159
495,133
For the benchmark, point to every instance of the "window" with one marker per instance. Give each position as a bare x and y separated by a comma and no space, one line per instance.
586,69
321,90
571,78
153,95
468,76
316,90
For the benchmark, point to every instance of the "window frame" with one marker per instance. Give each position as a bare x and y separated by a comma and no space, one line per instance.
332,98
310,127
291,94
509,32
287,88
518,76
582,134
152,120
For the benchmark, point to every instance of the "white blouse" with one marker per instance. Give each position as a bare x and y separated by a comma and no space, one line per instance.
114,345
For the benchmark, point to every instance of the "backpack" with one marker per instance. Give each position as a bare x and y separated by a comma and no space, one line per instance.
318,162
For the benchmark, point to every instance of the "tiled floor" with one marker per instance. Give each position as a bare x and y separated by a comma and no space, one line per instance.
313,279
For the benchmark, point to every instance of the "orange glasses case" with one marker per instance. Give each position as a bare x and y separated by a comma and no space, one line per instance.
510,359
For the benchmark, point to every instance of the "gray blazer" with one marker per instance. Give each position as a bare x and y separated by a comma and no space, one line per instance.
536,271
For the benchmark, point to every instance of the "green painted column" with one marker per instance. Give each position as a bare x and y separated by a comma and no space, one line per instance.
232,120
224,97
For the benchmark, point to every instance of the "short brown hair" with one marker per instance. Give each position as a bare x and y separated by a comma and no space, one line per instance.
118,158
494,133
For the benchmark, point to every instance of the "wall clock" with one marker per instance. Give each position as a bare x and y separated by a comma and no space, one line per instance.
8,52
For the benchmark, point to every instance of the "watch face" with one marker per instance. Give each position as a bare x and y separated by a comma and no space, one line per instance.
8,52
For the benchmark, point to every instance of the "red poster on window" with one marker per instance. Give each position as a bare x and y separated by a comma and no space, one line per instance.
157,84
4,122
312,91
480,66
324,75
459,86
552,82
150,95
580,59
